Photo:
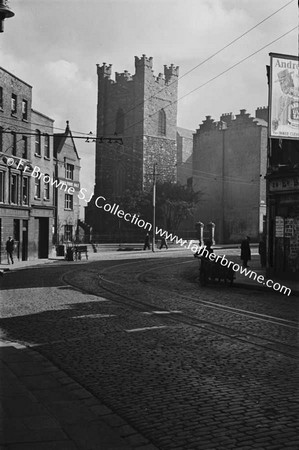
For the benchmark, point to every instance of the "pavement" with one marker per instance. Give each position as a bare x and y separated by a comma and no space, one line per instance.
42,408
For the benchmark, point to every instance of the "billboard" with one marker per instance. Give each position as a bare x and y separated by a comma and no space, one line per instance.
284,97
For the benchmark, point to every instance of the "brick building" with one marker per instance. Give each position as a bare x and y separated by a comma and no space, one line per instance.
28,167
42,198
15,143
229,165
142,109
67,172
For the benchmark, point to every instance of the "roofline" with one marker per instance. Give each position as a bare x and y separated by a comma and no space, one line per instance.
17,78
41,114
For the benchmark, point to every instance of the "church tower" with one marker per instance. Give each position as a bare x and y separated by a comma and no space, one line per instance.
142,110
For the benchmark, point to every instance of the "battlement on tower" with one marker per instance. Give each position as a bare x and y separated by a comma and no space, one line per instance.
105,70
143,62
171,71
123,77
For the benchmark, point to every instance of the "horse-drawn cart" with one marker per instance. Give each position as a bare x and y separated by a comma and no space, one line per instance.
214,271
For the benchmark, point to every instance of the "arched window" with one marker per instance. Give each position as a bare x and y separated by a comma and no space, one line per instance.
162,123
120,122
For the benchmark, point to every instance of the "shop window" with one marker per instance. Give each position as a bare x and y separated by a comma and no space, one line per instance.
68,232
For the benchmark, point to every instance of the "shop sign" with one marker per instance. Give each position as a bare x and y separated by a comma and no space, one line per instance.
284,97
286,184
289,227
279,226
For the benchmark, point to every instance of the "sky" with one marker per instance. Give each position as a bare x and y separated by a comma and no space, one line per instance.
54,45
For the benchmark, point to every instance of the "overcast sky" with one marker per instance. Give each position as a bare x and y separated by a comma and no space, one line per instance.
54,45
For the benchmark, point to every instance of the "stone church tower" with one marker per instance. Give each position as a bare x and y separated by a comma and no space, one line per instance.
142,110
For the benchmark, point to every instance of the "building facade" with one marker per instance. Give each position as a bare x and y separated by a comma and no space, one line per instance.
229,166
66,195
41,192
283,168
184,156
31,167
142,110
15,143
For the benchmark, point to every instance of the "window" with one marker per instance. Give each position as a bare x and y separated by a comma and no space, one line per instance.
37,143
24,109
2,177
13,104
120,122
68,232
24,144
25,191
1,97
46,188
1,139
162,123
68,201
69,171
47,146
37,189
14,189
14,143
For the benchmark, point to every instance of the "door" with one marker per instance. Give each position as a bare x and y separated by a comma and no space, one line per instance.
25,240
43,238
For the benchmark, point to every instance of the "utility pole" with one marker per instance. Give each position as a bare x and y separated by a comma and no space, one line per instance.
154,207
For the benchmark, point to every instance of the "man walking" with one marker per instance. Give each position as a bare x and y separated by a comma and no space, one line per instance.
163,243
9,249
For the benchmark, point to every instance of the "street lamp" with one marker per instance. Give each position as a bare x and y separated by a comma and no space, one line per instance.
5,13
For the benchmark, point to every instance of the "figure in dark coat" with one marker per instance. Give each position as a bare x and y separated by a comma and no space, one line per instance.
9,249
245,251
147,242
262,252
163,243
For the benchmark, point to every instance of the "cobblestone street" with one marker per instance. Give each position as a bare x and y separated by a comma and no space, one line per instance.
188,367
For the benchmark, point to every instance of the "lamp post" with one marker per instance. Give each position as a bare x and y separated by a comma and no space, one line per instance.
5,12
154,207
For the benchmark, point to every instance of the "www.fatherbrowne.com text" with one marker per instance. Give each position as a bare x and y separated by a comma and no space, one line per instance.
199,250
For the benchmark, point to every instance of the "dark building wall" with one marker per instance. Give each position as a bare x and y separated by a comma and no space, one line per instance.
184,156
227,162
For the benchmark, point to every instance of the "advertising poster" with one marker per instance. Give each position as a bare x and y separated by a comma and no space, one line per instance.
284,97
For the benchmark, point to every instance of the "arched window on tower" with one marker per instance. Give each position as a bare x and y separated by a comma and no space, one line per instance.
162,123
120,122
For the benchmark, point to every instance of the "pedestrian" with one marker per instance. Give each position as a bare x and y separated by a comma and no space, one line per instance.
147,242
163,243
262,251
245,251
9,249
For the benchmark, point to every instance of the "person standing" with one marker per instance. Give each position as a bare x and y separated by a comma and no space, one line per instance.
262,251
9,249
163,243
245,251
147,242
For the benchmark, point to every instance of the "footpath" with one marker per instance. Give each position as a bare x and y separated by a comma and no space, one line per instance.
42,408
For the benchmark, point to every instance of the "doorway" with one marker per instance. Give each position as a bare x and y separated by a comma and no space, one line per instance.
25,240
43,238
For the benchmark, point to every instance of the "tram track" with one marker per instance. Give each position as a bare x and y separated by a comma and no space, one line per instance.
196,322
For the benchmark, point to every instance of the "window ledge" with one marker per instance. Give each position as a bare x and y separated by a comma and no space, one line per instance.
37,155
